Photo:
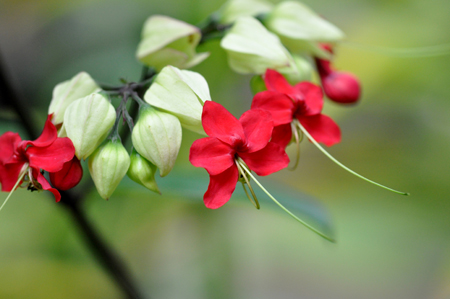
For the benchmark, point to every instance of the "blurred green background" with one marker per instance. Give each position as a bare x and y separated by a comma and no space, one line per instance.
388,246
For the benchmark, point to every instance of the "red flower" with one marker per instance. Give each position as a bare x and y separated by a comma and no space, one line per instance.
302,102
231,140
341,87
19,157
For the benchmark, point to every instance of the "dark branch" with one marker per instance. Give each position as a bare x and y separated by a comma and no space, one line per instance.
104,253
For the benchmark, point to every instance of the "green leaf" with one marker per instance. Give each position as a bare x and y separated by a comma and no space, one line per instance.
191,186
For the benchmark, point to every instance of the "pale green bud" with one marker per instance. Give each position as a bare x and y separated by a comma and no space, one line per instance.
181,93
108,165
142,172
302,70
233,9
167,41
157,137
87,122
251,49
65,93
300,28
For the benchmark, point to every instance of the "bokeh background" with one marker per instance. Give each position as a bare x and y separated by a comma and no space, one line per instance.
388,246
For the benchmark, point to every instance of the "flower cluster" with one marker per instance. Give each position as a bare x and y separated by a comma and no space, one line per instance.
22,162
282,45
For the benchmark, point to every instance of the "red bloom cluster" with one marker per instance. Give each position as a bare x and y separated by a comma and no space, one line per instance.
230,140
341,87
258,139
25,159
302,102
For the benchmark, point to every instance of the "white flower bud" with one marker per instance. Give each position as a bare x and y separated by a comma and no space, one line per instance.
157,137
108,165
142,172
300,29
167,41
65,93
181,93
252,49
87,122
233,9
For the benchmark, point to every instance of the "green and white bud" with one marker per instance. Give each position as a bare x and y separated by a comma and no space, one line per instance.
157,137
108,165
167,41
302,70
233,9
181,93
65,93
142,172
251,49
87,122
300,28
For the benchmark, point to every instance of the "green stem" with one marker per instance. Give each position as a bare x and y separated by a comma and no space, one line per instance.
342,165
138,99
282,207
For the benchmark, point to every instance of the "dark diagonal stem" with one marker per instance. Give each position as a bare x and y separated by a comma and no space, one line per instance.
103,253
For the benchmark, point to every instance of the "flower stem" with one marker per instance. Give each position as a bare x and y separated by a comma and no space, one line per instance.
285,209
342,165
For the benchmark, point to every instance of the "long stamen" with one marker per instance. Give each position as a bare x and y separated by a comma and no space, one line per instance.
430,51
342,165
239,161
253,199
297,143
13,189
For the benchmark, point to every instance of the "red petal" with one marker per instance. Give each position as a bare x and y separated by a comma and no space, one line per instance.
52,157
342,87
322,128
313,96
276,82
258,126
69,176
45,184
9,174
48,135
266,161
282,135
220,123
8,143
220,188
278,104
211,154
